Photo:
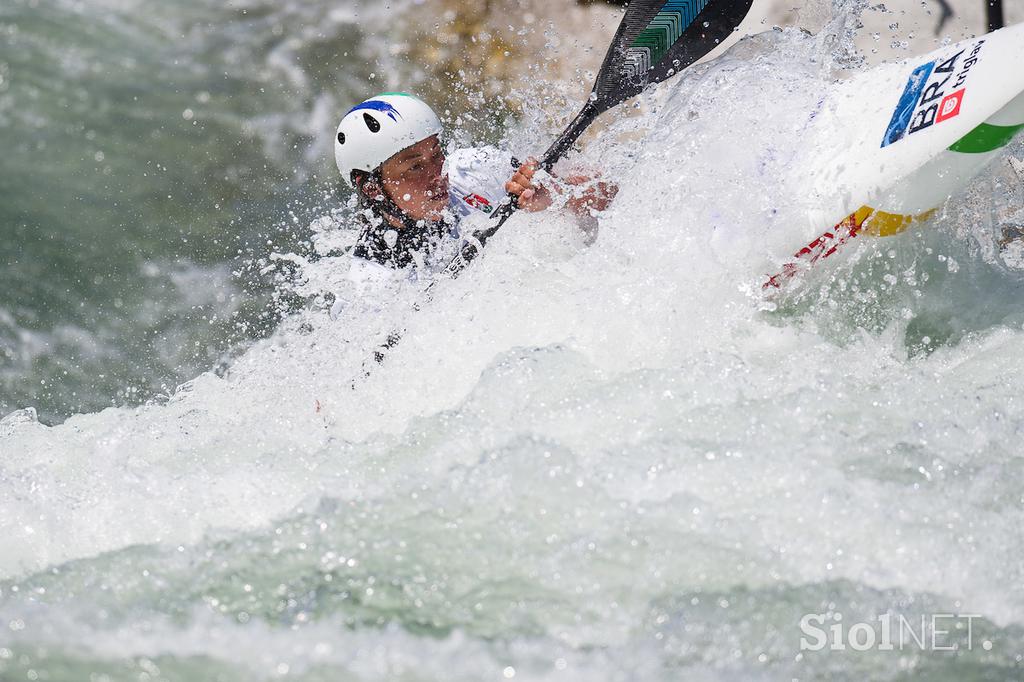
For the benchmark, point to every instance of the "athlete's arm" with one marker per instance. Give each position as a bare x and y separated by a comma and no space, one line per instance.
587,193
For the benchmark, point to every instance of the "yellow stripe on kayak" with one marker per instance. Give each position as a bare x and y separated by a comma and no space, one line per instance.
882,224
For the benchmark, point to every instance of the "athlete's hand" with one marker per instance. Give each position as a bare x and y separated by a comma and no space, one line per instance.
532,197
589,194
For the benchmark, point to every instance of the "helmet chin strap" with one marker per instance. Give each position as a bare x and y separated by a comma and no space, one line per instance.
383,205
407,236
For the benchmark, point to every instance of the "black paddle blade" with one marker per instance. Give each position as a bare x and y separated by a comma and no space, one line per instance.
659,38
656,39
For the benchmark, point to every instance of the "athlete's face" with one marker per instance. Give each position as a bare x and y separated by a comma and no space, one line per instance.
415,180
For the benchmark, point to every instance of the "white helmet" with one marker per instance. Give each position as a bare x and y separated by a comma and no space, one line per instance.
377,129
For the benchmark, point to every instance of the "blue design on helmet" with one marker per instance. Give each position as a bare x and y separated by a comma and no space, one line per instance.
378,105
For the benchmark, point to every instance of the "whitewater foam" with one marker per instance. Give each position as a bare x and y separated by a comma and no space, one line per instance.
610,461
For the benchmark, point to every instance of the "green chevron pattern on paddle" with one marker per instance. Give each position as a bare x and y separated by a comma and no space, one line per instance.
986,138
662,32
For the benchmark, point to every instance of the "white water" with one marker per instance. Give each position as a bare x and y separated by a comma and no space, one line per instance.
605,462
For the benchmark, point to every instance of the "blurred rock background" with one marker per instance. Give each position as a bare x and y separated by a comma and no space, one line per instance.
481,61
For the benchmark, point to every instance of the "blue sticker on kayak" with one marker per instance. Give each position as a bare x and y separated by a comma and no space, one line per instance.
908,102
934,93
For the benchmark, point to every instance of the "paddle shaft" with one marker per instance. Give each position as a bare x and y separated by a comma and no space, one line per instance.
994,12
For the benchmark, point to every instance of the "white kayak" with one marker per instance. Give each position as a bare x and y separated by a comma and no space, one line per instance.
913,135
